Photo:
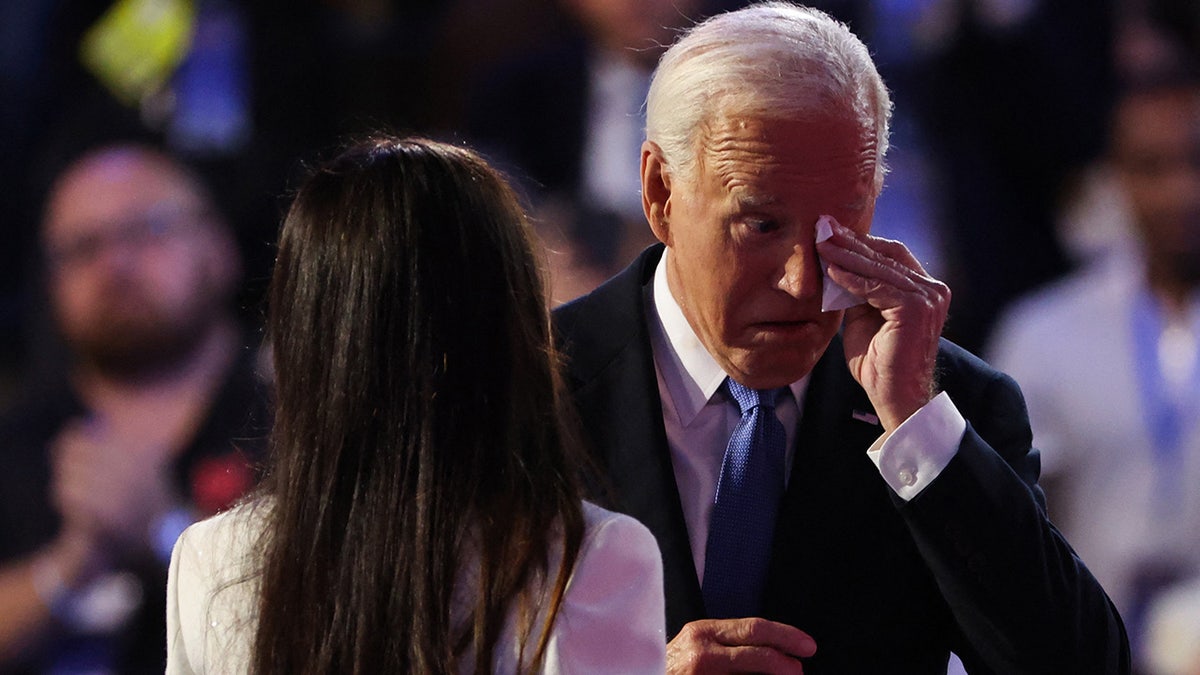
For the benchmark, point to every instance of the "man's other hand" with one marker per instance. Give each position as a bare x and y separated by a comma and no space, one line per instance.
739,646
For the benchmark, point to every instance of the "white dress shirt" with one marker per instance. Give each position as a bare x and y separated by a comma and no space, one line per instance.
699,421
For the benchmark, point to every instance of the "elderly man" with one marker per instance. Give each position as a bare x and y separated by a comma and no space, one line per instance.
856,503
104,466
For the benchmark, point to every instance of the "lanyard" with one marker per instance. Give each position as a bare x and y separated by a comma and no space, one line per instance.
1168,416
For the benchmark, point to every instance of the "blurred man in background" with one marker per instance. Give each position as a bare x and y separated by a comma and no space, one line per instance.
151,426
1109,361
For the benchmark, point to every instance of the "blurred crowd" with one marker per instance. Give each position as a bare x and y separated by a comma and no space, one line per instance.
1045,163
1000,104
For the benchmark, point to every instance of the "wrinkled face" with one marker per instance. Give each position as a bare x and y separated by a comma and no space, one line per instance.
136,268
1156,151
742,261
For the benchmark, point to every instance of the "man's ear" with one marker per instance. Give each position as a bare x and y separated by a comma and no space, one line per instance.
656,191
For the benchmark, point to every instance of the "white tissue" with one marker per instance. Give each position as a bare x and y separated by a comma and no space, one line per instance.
833,296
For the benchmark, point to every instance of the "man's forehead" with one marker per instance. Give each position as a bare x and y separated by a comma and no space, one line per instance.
131,170
746,154
115,188
857,198
819,144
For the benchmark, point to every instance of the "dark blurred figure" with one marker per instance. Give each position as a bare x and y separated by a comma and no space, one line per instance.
213,95
242,90
23,25
1179,18
152,422
1109,360
567,119
1013,95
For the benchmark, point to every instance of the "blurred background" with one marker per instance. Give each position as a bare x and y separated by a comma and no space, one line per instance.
1002,173
1000,110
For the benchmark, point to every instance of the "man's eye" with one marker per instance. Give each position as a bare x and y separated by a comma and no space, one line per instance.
761,225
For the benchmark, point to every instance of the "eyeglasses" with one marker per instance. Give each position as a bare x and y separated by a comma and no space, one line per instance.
153,227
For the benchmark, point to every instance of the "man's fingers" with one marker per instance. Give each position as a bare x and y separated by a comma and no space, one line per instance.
722,659
881,271
879,294
876,267
762,660
892,249
875,258
749,645
870,246
755,632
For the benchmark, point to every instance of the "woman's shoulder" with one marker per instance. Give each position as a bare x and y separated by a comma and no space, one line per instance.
609,530
595,516
211,591
220,546
239,517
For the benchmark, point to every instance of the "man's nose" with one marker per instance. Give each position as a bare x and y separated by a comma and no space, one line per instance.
801,275
119,257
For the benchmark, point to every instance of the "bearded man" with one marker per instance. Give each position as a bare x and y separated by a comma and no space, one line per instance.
153,424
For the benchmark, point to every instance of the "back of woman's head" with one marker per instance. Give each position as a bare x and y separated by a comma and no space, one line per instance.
418,404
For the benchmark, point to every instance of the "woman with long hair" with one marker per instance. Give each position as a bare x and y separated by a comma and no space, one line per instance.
421,512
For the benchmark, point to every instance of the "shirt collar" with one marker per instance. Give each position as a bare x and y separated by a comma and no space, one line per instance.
692,376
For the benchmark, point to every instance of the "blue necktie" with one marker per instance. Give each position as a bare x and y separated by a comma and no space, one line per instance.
742,524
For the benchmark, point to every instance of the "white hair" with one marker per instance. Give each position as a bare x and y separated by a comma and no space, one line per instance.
769,61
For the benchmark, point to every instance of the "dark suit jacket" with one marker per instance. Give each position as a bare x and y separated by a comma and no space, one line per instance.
971,564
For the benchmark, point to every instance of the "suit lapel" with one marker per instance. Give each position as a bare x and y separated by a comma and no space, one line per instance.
833,484
837,422
612,376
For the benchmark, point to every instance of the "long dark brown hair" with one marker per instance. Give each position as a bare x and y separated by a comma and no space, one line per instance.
420,423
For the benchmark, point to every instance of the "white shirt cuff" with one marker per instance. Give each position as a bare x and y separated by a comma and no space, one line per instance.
917,451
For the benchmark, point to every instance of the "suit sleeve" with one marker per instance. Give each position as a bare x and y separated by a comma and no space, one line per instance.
1022,599
612,619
